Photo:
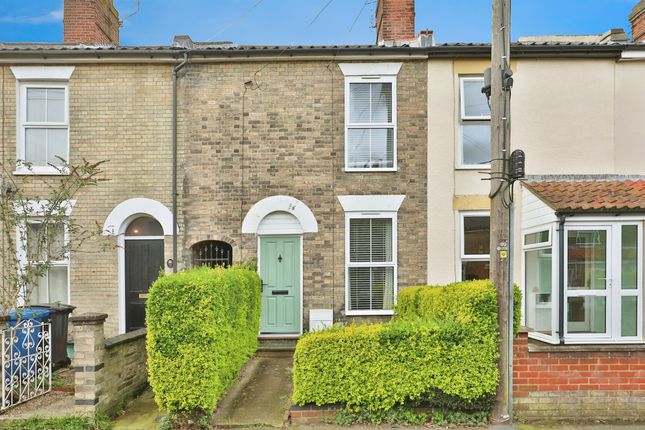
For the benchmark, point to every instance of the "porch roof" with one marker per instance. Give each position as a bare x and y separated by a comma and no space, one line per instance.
590,195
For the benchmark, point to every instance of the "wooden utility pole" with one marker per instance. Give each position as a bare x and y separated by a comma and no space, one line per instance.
500,101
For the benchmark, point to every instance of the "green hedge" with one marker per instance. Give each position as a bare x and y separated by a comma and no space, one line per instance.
202,327
440,347
470,302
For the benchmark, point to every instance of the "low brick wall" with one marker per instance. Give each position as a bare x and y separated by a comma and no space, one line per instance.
594,382
108,372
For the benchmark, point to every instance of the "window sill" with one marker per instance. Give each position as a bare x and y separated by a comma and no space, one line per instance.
367,169
41,171
475,167
539,346
367,313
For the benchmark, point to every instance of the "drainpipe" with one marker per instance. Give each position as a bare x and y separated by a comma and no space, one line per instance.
175,69
562,218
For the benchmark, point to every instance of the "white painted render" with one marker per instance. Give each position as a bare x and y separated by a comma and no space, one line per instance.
570,116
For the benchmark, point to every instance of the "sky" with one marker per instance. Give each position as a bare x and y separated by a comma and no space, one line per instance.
312,22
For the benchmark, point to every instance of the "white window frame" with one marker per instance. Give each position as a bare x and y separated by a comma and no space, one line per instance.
371,73
613,293
23,125
349,264
464,119
39,77
35,209
54,263
371,206
555,296
463,257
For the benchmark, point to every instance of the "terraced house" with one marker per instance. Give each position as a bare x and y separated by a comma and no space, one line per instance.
311,160
351,172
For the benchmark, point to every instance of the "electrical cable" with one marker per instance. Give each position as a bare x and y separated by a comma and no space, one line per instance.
236,20
319,13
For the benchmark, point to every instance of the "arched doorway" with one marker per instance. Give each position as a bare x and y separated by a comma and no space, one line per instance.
280,223
144,253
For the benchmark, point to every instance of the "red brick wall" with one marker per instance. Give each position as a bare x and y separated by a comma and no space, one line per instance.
604,385
394,20
90,22
637,19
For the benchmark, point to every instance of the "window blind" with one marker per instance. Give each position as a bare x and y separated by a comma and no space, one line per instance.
371,264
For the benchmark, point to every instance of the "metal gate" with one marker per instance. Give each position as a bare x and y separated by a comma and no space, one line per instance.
26,362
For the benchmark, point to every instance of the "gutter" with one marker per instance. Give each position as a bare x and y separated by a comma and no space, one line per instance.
175,70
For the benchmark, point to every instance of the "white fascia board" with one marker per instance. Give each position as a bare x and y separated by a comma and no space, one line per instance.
632,55
376,69
376,203
42,73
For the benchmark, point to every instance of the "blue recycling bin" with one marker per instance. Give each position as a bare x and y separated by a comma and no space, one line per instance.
27,350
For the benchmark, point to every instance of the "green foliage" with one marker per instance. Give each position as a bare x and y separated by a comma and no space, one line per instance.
467,302
396,415
202,327
62,423
447,417
441,347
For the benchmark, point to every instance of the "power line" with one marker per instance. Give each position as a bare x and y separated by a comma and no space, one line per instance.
319,13
236,20
358,15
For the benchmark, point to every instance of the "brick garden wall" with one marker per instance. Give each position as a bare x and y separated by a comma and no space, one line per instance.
578,382
107,372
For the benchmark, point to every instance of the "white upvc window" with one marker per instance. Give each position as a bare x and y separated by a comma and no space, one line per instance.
39,243
42,119
603,290
474,124
370,116
371,253
603,281
540,283
474,233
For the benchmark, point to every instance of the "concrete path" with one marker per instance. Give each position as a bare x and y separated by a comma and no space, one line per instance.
141,414
261,395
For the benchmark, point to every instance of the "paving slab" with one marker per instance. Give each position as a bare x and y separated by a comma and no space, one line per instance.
51,405
261,394
141,414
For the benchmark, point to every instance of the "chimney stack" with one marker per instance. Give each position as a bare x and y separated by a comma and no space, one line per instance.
90,22
394,22
637,19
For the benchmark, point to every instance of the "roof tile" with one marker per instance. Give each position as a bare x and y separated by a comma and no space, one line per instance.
591,196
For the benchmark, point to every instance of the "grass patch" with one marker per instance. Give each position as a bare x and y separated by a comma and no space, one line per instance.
61,423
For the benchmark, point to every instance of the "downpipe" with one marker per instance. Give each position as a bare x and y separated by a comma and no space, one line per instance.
175,71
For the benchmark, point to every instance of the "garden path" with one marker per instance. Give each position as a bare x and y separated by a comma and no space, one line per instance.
261,394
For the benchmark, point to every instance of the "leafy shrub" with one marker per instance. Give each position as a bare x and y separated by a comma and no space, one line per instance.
397,415
441,347
61,423
202,327
469,302
443,417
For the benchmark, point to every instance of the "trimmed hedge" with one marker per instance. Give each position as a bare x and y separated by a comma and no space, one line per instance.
202,327
469,302
440,347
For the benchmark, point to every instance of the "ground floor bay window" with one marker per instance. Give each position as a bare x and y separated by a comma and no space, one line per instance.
589,286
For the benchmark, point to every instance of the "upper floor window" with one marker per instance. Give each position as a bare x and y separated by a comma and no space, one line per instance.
370,116
474,124
42,145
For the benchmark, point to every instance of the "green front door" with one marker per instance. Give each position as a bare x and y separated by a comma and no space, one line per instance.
280,272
